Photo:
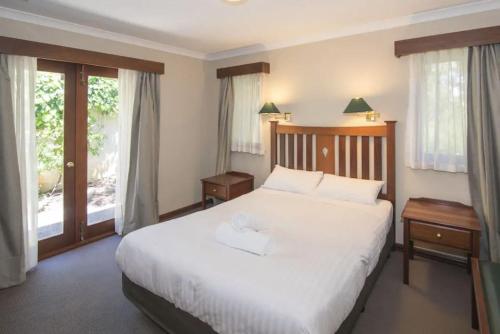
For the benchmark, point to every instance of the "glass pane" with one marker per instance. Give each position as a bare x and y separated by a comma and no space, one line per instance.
102,148
49,119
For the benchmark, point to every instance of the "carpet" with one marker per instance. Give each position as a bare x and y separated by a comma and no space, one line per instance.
80,292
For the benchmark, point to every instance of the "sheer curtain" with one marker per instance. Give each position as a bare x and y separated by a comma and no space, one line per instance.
127,83
22,73
246,135
436,131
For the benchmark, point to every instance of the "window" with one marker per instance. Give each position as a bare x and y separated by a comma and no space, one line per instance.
246,134
436,132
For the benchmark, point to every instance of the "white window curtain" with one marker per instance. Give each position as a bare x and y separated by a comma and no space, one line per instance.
127,83
246,135
22,73
436,131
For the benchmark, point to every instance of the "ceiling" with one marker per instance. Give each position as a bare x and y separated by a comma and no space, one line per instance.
213,28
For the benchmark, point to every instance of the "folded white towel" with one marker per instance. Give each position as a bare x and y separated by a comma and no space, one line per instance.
247,240
242,220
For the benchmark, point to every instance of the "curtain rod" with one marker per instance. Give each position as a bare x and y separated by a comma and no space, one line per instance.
22,47
252,68
460,39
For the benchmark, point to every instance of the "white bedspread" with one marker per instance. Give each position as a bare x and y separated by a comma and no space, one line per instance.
321,253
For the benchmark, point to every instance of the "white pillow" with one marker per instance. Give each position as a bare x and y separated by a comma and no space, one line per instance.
293,180
349,189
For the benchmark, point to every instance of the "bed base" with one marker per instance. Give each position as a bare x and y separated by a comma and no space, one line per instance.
175,321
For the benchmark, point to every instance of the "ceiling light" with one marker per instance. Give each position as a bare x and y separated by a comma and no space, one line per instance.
234,2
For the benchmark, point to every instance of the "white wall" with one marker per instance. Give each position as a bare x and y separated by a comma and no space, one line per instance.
186,149
313,81
316,81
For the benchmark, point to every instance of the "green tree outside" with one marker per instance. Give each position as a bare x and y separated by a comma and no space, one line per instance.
49,117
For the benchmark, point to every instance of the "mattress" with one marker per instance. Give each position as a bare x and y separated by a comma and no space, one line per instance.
321,253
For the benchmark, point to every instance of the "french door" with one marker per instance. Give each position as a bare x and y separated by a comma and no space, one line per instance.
77,150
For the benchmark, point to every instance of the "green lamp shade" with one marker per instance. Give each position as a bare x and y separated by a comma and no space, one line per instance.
357,105
269,108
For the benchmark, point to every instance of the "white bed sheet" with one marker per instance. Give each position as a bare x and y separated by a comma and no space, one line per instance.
321,254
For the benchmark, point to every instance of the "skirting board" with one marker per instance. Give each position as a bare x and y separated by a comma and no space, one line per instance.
182,211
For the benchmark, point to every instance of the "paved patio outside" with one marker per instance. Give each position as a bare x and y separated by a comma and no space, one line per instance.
100,207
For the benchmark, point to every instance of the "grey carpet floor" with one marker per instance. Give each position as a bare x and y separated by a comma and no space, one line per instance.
80,292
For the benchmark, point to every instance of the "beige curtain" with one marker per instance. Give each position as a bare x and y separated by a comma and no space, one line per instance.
12,266
141,203
226,108
483,143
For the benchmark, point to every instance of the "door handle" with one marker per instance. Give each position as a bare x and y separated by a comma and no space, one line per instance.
70,164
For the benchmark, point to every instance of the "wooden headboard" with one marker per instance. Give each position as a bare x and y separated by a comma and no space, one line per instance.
366,152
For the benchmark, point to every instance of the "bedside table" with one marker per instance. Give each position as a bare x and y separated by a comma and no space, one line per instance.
439,222
226,186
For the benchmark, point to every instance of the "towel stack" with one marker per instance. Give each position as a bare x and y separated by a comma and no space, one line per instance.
245,232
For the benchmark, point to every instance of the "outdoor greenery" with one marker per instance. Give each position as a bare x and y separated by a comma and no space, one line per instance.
49,116
103,104
49,123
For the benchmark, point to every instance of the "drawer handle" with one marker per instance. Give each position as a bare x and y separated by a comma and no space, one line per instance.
439,236
214,190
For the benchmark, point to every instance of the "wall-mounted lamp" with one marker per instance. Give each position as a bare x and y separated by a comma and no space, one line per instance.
270,109
359,106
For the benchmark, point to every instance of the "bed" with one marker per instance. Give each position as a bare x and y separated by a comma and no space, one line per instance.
325,259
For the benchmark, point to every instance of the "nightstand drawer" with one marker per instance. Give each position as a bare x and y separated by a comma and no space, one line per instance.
441,235
216,190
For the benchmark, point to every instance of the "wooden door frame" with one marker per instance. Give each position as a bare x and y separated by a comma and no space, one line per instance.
53,244
75,229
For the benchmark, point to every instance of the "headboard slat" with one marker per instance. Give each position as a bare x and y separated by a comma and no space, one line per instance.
291,150
332,140
365,157
309,150
300,151
282,150
342,159
377,142
274,145
353,155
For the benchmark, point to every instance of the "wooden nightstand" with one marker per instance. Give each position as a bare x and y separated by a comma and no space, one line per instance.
443,223
226,186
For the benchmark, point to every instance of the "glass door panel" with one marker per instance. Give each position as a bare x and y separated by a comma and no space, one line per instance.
54,122
102,148
49,116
